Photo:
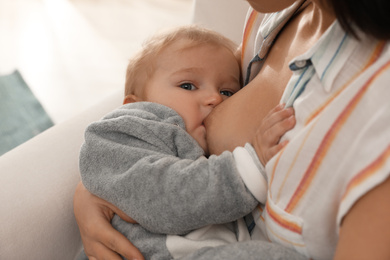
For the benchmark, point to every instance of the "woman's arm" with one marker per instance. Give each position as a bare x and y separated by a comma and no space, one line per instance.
365,230
100,239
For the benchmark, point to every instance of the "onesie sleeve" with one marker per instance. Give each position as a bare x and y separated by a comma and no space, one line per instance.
251,171
150,168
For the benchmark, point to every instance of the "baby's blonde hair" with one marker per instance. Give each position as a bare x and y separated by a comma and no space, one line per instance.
141,66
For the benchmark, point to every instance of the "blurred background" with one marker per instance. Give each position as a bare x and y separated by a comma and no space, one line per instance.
73,53
59,58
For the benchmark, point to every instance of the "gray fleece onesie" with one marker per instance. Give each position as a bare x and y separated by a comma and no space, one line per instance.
141,159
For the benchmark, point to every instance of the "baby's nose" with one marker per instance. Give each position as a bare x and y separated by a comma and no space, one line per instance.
214,99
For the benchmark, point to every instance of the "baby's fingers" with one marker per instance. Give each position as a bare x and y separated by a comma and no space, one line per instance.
271,152
275,116
273,134
281,127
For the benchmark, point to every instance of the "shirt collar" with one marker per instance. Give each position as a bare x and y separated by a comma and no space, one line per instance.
329,54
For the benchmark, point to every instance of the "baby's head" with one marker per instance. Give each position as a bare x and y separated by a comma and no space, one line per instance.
143,65
190,70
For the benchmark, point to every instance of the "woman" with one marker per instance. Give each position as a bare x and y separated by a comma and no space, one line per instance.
328,187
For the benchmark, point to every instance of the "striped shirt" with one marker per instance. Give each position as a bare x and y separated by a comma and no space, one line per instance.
340,147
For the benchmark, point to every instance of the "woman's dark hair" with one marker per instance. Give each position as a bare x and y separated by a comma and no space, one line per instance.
370,16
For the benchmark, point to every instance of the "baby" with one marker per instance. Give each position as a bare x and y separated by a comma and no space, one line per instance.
150,156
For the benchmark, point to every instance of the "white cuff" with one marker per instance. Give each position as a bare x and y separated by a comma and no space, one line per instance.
251,171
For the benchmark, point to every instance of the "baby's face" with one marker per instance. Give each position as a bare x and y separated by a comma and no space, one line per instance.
192,81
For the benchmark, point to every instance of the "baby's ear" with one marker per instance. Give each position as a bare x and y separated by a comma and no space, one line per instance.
131,99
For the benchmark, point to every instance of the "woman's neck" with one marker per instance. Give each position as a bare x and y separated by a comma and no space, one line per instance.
315,19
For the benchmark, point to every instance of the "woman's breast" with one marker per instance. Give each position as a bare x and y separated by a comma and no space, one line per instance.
235,121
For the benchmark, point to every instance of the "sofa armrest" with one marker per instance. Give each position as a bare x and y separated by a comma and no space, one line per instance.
38,182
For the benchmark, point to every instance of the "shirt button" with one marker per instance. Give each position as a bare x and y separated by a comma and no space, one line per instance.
300,63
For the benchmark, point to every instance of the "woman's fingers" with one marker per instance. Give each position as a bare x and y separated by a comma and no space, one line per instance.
101,252
120,213
100,239
93,236
113,243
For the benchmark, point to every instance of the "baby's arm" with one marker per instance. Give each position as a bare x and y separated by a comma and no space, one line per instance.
277,122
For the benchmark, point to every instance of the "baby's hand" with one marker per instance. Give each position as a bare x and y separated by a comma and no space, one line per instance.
277,122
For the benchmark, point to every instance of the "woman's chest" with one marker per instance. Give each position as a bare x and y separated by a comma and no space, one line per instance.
309,177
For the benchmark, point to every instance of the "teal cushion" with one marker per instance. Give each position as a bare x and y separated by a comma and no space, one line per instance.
21,114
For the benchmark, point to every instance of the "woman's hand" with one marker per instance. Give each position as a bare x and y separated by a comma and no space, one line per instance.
100,239
274,125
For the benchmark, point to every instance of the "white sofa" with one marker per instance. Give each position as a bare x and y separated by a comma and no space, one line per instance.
39,177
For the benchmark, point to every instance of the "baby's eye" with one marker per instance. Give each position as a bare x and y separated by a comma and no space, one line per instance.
226,93
188,86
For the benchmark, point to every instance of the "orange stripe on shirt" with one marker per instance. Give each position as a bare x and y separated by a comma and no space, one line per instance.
328,140
282,221
293,163
368,171
247,33
373,57
269,228
274,168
